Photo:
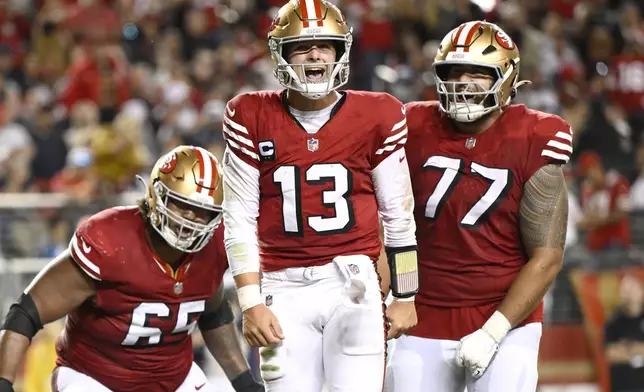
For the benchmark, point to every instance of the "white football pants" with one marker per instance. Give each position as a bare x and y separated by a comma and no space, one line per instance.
428,365
333,324
66,379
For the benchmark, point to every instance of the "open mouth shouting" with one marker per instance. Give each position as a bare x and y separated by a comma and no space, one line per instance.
315,74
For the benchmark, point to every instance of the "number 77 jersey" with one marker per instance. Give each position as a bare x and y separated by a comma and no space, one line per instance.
467,194
314,196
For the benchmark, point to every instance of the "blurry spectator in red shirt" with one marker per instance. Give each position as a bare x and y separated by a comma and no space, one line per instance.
99,76
605,199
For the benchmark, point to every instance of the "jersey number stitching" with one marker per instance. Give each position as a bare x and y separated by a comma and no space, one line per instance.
287,177
499,179
186,321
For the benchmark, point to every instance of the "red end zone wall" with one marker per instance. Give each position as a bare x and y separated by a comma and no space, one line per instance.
565,356
572,354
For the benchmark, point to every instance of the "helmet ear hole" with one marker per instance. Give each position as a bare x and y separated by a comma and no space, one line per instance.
339,49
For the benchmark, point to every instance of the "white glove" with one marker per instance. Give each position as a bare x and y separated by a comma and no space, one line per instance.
476,350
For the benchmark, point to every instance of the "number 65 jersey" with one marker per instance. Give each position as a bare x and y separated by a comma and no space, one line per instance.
296,199
134,334
467,192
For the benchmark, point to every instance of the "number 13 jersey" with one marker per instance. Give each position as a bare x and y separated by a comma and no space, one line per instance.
318,193
467,193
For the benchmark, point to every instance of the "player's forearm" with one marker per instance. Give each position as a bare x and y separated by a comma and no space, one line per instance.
618,353
240,211
392,186
13,348
531,285
223,344
543,214
243,257
636,348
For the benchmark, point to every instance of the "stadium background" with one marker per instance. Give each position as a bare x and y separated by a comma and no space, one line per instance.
91,91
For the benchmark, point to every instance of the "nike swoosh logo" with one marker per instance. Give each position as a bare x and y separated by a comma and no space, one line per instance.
402,158
403,110
86,248
231,113
200,386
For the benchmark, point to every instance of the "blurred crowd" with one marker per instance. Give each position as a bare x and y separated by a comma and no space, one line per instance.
92,91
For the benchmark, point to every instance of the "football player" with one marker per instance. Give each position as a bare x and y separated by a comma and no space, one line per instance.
491,209
309,171
134,284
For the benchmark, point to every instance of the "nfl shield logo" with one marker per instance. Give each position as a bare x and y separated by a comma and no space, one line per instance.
354,269
313,144
269,300
470,143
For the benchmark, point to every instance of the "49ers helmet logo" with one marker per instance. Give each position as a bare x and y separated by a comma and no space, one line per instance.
169,163
274,22
504,40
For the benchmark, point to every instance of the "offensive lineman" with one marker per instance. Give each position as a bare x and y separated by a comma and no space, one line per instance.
491,209
309,170
134,284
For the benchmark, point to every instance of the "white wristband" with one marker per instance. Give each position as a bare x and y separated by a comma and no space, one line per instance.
497,326
249,296
408,299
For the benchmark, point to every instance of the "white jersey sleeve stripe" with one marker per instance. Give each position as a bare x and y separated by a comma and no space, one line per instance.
564,135
242,149
236,126
555,155
399,124
91,269
559,145
237,137
390,147
395,137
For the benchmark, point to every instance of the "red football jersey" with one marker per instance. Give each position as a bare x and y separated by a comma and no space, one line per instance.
603,201
317,197
467,192
627,82
135,334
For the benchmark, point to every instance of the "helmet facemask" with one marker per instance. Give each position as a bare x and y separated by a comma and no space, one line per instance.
333,74
469,101
179,232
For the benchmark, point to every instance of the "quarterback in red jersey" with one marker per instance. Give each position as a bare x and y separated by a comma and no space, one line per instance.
310,171
134,284
491,211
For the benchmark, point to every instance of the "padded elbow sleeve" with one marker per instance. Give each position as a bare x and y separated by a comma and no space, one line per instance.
222,316
23,317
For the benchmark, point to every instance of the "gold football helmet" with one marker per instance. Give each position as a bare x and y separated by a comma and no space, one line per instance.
310,20
478,44
184,197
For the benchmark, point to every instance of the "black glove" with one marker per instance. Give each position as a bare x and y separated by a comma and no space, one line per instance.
243,383
6,386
